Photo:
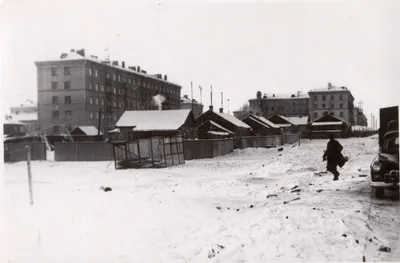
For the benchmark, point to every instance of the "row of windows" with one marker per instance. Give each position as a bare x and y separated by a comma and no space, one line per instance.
67,100
54,71
332,97
341,114
332,106
124,79
54,85
92,115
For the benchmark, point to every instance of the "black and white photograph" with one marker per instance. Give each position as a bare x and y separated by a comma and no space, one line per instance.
199,131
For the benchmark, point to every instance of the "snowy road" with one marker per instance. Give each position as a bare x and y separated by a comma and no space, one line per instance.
213,210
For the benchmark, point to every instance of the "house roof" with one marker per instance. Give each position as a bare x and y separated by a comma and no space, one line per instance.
88,130
265,121
330,118
256,119
330,123
284,125
14,122
218,133
330,89
232,119
32,116
217,125
153,120
283,118
297,120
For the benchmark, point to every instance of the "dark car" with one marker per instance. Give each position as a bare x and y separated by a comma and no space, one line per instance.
385,166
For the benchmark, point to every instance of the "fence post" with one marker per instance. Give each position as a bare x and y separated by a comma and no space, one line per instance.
28,160
299,139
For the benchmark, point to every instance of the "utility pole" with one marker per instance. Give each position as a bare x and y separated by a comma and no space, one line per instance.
191,90
228,107
211,96
201,96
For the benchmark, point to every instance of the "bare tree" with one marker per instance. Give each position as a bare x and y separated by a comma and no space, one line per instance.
243,111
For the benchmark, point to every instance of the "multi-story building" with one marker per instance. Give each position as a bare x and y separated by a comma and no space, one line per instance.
77,90
187,103
359,117
331,100
286,105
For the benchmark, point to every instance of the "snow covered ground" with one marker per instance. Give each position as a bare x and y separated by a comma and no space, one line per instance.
235,208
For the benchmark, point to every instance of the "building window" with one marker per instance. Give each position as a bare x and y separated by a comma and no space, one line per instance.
129,81
315,98
54,85
56,114
315,114
332,105
68,114
97,101
96,86
102,87
341,97
97,115
294,104
90,100
102,116
91,115
119,78
323,106
115,116
114,90
114,78
315,106
341,114
102,101
109,116
67,99
115,103
341,105
120,104
54,72
55,100
67,71
332,97
67,85
96,72
323,97
90,71
90,85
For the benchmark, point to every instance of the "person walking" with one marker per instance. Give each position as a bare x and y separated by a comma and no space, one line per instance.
333,156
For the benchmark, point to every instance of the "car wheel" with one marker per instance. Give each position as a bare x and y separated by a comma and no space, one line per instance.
380,193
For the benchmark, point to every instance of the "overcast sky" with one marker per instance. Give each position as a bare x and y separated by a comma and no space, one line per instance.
237,47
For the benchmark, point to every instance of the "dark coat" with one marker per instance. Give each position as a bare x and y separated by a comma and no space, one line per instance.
333,154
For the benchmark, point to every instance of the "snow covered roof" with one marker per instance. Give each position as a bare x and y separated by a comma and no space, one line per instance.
33,116
218,133
12,121
327,123
219,126
297,120
76,56
330,89
261,122
88,130
232,119
284,125
153,120
116,130
360,128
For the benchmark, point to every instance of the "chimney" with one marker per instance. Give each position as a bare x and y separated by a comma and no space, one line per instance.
221,110
115,63
165,77
222,103
273,95
138,68
329,85
211,107
134,68
123,64
186,96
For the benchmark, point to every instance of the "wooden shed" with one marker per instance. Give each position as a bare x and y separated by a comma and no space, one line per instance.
329,124
261,126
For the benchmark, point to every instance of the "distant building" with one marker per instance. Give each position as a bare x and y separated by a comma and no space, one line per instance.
332,100
186,103
26,113
73,89
359,117
287,105
240,114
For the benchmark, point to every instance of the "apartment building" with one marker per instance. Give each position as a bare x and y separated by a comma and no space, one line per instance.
77,90
290,105
337,101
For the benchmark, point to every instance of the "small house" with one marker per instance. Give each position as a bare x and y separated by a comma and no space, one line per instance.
300,122
212,130
152,123
261,126
13,128
329,124
227,121
281,121
86,133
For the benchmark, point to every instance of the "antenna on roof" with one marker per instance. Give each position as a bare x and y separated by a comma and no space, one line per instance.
107,55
